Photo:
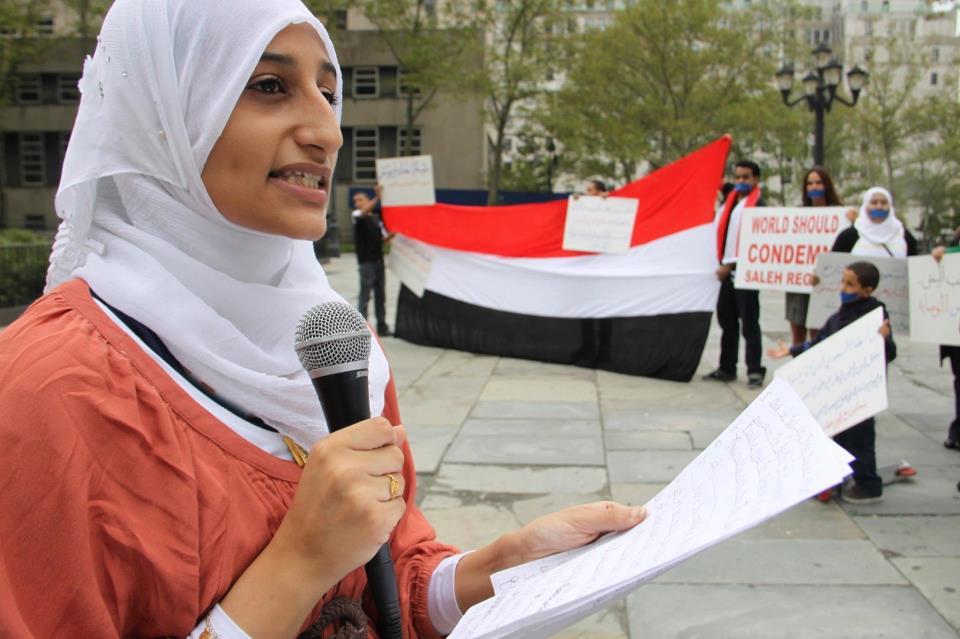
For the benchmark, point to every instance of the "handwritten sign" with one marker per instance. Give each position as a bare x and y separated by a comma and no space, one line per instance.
778,247
771,457
843,379
599,225
935,299
893,290
406,181
411,262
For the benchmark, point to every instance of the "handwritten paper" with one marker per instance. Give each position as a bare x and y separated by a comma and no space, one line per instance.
406,181
893,291
935,299
599,225
773,456
843,379
411,262
778,247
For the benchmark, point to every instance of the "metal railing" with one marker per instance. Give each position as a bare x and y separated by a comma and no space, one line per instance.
23,269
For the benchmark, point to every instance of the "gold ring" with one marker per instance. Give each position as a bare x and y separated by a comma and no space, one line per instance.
394,486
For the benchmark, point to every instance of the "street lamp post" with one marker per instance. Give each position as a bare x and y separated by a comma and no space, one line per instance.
820,90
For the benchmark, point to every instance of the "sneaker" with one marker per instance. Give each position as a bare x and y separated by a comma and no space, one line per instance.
755,380
855,495
951,444
720,375
383,331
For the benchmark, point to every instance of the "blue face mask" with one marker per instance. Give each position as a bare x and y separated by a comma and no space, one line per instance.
878,214
846,298
816,194
743,188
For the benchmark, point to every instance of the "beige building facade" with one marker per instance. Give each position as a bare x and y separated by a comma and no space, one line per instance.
35,125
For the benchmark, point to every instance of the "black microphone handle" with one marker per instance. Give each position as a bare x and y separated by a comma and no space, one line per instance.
346,400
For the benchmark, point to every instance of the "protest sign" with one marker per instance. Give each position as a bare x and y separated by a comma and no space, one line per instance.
411,262
935,299
406,181
778,247
893,289
599,225
843,379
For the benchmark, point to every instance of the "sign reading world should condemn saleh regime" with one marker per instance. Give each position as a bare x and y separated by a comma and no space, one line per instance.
778,247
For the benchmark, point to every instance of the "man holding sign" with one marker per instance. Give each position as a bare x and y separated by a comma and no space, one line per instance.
737,307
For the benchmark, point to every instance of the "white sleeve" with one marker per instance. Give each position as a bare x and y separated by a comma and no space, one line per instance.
442,605
221,626
356,213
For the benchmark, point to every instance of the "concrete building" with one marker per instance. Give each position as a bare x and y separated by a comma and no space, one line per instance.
35,123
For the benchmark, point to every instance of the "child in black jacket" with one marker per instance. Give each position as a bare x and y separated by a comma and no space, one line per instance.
859,281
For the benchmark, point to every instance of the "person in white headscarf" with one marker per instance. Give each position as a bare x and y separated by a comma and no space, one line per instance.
155,415
876,232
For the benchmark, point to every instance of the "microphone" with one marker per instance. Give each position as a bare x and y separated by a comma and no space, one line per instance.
333,344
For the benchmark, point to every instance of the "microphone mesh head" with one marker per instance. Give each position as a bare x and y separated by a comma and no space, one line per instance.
343,332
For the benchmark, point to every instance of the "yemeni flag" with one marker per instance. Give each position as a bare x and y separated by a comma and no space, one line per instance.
500,282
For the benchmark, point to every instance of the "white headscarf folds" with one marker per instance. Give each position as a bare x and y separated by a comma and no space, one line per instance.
883,239
141,229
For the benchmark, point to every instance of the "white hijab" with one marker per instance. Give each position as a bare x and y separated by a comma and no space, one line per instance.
141,229
876,238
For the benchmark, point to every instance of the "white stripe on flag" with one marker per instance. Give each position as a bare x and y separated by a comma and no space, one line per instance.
674,274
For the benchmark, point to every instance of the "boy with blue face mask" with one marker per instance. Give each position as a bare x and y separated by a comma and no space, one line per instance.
859,281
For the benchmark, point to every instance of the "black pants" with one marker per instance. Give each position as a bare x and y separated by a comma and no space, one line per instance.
373,280
738,309
953,353
860,441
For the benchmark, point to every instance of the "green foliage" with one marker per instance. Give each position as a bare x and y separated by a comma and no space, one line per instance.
23,266
525,47
665,78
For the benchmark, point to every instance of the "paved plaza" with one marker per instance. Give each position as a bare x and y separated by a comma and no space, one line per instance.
498,442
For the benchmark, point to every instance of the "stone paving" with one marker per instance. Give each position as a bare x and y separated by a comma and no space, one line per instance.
499,442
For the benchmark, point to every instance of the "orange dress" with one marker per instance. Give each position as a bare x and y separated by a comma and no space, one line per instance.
126,509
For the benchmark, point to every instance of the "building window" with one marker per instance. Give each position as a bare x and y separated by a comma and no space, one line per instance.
365,145
933,79
366,82
340,18
885,5
868,27
936,54
67,90
415,141
33,164
28,89
404,89
45,25
864,6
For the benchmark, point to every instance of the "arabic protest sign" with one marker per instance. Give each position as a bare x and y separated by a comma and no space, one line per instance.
411,262
893,290
406,181
935,299
778,247
843,379
599,225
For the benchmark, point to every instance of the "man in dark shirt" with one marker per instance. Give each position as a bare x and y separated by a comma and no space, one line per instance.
368,237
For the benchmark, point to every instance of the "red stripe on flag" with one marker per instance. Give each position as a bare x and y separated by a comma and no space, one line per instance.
674,198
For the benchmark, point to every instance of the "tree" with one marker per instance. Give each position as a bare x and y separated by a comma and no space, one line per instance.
522,50
665,78
432,43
